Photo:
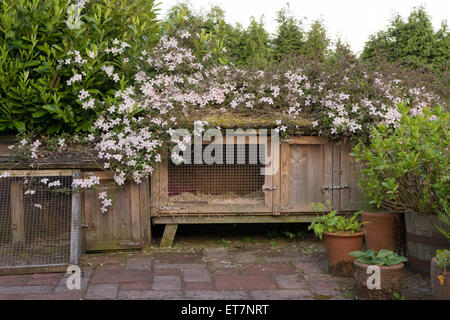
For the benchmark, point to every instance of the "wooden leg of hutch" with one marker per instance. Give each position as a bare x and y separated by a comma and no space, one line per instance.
169,235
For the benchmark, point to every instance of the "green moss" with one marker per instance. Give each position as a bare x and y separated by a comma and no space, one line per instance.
237,120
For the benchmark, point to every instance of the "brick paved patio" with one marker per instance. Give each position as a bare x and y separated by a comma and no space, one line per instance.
213,272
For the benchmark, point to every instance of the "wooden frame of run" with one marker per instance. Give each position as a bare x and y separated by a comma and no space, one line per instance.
18,221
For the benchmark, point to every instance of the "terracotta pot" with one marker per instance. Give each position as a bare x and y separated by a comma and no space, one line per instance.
338,247
390,281
440,291
379,232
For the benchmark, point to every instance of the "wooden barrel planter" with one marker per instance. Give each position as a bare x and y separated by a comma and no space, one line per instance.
423,239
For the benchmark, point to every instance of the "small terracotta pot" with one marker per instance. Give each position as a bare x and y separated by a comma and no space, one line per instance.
440,291
390,281
338,247
379,232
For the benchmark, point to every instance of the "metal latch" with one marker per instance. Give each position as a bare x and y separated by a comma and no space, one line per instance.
89,226
266,188
329,188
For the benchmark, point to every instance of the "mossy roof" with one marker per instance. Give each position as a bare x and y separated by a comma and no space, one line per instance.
232,120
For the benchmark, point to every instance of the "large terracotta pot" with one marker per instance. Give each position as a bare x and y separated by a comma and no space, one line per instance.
338,247
390,281
379,231
440,291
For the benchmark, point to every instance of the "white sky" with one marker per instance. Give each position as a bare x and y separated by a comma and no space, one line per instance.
351,20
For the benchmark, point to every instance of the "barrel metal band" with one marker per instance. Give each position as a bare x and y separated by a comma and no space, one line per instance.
419,265
428,240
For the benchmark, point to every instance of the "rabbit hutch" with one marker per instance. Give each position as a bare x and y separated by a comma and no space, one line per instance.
261,181
310,169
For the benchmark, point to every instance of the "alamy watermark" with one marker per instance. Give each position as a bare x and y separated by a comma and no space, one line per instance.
374,280
187,151
73,282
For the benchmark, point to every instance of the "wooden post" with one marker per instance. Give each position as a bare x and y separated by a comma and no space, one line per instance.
145,215
75,234
336,178
17,213
169,235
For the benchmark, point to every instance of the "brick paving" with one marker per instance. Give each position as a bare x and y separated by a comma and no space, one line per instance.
213,272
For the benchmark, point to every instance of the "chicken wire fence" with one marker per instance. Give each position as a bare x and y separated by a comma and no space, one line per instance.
39,220
237,181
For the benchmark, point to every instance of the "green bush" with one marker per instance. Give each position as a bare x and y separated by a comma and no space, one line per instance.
32,34
39,38
407,167
443,258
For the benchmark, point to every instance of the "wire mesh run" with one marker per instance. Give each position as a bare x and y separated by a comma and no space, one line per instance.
35,221
235,182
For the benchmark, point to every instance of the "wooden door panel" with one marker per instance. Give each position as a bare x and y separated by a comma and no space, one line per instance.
351,198
120,226
306,166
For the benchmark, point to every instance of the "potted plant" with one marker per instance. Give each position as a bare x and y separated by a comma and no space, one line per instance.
440,277
383,280
342,235
405,169
379,229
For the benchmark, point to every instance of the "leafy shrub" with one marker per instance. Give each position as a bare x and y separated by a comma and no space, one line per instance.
51,49
381,258
32,34
443,258
407,167
332,222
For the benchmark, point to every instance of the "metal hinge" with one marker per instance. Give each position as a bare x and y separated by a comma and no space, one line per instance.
330,188
266,188
283,208
89,226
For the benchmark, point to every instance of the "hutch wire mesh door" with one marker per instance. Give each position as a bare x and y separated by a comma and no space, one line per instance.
39,221
235,186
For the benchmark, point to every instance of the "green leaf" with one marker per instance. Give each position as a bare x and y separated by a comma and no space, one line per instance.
39,114
383,253
357,254
19,125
